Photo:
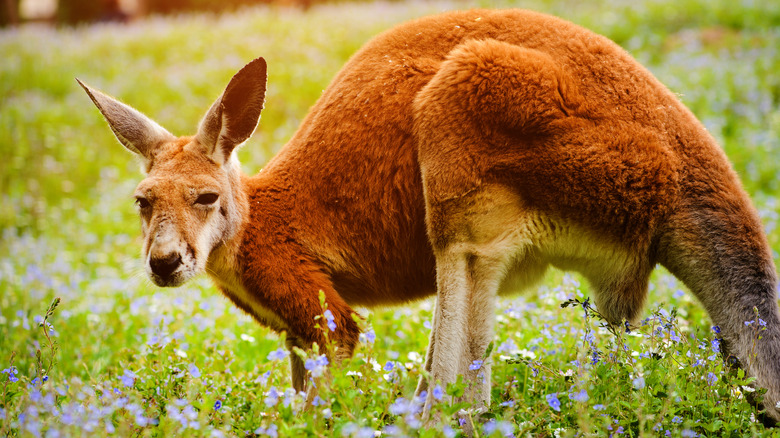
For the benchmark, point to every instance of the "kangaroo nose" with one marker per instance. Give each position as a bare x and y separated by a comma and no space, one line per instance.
164,266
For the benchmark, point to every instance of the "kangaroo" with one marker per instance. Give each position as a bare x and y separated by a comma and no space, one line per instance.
458,155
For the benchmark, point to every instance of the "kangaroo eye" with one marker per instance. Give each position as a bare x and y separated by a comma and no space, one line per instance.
142,203
207,199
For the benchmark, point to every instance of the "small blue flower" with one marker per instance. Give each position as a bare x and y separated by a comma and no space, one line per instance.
594,357
365,432
322,361
438,393
370,336
330,319
715,345
217,405
489,427
748,323
639,382
271,397
400,406
579,396
389,366
448,431
687,433
194,371
263,378
12,371
677,420
272,431
507,346
599,407
477,364
552,400
761,322
278,354
128,378
716,329
316,366
289,396
711,379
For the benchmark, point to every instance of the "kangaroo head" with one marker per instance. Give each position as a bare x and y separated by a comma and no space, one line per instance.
191,201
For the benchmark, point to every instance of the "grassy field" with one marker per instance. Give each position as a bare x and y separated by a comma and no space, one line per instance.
120,356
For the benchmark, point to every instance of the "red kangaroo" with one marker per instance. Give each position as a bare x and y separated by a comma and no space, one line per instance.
460,154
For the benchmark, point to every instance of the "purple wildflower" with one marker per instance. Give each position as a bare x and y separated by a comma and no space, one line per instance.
579,396
193,370
316,366
400,406
330,319
271,397
715,345
438,393
272,431
507,346
552,400
128,378
12,372
278,354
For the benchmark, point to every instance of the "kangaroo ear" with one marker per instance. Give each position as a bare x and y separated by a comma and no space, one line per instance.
137,132
232,119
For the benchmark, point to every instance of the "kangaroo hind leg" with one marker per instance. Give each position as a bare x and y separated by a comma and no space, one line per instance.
476,239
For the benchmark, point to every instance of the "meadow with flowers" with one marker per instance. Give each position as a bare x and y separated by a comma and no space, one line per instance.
89,347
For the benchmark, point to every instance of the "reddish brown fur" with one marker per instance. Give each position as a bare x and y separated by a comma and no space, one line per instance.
346,190
472,142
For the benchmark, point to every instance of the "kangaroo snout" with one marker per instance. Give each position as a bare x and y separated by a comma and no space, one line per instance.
164,266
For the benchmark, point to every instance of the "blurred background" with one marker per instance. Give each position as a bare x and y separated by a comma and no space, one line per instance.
15,12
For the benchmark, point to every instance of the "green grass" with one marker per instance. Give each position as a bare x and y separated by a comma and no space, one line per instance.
126,358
